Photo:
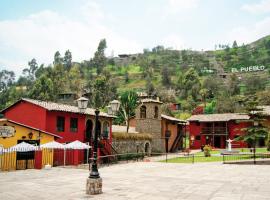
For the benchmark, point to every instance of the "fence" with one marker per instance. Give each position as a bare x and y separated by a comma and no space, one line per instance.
247,158
25,159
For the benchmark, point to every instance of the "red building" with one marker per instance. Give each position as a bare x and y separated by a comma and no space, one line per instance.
215,129
63,120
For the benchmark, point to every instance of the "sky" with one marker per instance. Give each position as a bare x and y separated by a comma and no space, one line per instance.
37,29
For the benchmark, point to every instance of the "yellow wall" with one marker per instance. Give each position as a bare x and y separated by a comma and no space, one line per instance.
8,160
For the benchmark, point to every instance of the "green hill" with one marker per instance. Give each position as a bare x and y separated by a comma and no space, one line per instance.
188,77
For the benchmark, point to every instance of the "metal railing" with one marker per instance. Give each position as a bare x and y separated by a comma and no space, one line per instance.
216,130
247,158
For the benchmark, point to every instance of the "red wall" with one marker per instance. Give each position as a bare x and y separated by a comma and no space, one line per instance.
194,130
27,113
67,135
234,129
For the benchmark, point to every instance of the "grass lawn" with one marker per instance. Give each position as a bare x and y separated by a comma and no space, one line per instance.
196,159
241,150
199,157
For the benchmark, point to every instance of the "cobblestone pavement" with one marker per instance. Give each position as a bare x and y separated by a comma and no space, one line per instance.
143,180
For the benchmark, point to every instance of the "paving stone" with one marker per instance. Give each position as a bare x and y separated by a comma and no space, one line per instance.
143,180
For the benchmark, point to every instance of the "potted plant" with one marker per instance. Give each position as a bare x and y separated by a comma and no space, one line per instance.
207,150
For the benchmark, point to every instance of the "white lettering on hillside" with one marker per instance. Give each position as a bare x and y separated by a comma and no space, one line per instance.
255,68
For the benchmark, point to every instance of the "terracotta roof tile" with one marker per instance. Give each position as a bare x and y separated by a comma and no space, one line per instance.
173,119
63,107
218,117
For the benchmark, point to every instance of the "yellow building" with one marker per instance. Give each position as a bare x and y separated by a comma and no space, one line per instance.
13,133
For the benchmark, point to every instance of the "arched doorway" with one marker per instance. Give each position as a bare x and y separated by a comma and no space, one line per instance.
89,131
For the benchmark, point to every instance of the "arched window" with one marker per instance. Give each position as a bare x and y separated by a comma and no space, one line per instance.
156,112
106,129
143,112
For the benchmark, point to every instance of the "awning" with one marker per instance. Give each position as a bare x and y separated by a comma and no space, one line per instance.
77,145
52,145
22,147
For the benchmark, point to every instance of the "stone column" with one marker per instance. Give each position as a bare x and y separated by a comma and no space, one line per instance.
94,186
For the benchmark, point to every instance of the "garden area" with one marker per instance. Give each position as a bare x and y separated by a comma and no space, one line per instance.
216,156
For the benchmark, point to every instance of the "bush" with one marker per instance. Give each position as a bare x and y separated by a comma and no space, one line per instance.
207,149
131,136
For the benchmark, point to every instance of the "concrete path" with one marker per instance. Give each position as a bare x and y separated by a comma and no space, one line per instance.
143,180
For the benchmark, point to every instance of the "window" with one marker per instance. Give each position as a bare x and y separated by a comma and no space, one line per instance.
60,124
106,129
198,137
143,112
156,112
73,124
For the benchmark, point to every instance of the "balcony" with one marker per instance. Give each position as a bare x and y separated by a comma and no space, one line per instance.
214,130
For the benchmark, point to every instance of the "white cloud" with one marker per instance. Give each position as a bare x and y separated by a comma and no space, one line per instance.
173,41
257,8
177,5
251,33
41,34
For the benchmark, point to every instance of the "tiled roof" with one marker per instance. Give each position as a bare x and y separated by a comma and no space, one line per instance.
173,119
63,107
218,117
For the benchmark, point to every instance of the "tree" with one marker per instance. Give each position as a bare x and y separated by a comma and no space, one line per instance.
256,130
149,86
234,44
57,58
165,75
99,60
233,85
128,100
6,79
67,61
42,89
191,84
75,80
30,72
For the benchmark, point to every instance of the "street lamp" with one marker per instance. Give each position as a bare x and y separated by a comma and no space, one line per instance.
167,137
114,106
94,182
82,104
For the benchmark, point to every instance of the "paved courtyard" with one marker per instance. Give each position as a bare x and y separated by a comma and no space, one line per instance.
143,180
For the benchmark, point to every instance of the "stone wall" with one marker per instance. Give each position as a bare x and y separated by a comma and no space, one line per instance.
151,125
130,146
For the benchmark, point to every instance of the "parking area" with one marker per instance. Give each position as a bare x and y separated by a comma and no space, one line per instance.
142,180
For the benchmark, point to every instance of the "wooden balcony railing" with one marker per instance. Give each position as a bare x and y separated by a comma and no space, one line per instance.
214,130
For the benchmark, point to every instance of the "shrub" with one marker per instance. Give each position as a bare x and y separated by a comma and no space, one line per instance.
131,136
207,149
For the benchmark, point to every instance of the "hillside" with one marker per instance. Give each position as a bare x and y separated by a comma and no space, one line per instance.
191,78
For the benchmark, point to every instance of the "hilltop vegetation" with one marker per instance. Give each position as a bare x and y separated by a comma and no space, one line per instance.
191,78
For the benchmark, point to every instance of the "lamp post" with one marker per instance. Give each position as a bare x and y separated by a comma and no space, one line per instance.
255,124
167,137
94,182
